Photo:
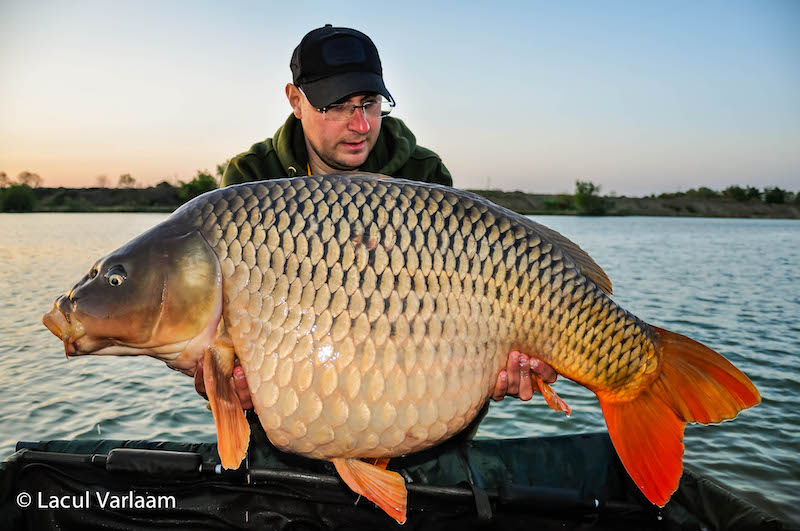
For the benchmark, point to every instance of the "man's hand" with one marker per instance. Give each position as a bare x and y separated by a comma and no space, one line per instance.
515,379
238,376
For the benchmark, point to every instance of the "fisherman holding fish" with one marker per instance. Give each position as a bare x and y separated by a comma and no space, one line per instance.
340,123
373,316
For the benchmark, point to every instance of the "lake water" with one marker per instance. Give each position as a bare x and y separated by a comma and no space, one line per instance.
731,284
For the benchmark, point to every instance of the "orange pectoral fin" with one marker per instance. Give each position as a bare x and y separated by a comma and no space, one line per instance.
553,400
384,488
233,431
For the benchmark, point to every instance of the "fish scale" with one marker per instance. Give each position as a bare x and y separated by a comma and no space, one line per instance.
372,317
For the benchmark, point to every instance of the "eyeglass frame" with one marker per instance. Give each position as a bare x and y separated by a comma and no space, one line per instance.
363,106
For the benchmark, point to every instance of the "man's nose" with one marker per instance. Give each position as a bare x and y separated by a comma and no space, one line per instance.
358,122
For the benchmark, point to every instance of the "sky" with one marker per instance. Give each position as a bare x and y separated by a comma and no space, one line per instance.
638,97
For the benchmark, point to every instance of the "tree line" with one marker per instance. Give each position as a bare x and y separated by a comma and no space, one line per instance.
588,201
772,195
19,195
25,178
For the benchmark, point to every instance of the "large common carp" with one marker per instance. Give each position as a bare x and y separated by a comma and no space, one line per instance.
372,316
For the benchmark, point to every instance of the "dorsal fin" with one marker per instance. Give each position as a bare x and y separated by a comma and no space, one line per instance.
586,265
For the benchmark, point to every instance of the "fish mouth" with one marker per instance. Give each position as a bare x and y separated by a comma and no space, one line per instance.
77,342
69,330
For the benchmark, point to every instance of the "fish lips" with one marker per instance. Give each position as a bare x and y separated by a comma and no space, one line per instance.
63,324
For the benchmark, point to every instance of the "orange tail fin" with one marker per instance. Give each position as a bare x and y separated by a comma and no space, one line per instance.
695,385
384,488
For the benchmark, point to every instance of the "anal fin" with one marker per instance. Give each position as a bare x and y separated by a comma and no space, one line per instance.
553,400
233,431
384,488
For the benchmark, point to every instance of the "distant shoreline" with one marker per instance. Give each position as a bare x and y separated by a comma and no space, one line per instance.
167,199
544,204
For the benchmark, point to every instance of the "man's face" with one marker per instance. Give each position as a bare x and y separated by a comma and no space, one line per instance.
338,145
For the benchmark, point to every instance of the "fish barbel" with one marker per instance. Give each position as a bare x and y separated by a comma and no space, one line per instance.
372,316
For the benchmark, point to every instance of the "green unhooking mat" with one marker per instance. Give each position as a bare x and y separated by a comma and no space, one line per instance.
569,482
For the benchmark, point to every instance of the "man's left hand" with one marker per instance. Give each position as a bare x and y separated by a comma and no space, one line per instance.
515,379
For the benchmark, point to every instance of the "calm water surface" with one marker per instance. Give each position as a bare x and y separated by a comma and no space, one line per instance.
731,284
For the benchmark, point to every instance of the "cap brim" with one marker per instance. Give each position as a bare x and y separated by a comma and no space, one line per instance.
323,92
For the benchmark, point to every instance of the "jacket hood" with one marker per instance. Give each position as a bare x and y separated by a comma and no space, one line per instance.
290,146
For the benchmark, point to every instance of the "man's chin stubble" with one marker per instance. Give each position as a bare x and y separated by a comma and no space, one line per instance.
340,166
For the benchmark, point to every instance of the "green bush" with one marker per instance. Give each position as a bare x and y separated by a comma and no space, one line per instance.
737,193
702,193
559,202
775,195
752,193
201,184
587,199
17,198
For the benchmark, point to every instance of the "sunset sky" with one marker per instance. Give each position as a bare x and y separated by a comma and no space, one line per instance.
639,97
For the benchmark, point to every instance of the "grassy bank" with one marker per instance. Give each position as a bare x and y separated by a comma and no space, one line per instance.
713,207
166,198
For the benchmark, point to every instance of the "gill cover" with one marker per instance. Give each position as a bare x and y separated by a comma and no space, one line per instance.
161,288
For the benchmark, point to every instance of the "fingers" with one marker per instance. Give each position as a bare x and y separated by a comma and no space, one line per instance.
519,376
241,387
501,387
512,368
525,385
543,371
515,379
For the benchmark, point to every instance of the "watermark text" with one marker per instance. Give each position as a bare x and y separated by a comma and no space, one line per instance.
96,499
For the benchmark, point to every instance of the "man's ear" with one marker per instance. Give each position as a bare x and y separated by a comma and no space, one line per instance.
295,98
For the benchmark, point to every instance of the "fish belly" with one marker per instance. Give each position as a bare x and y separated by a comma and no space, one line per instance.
372,316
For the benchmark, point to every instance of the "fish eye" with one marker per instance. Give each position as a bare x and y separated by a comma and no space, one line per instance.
116,276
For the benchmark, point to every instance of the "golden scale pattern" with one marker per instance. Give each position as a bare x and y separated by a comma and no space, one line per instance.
372,316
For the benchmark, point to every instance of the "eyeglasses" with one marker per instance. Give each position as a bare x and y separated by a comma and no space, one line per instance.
340,112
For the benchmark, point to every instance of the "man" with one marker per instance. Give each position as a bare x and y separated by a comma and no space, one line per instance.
340,123
339,100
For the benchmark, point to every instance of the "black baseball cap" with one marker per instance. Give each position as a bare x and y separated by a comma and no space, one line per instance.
331,63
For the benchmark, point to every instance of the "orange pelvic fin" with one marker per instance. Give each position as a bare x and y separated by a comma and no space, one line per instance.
695,385
384,488
233,431
553,400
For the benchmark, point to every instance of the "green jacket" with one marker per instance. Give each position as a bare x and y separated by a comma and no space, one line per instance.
396,154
